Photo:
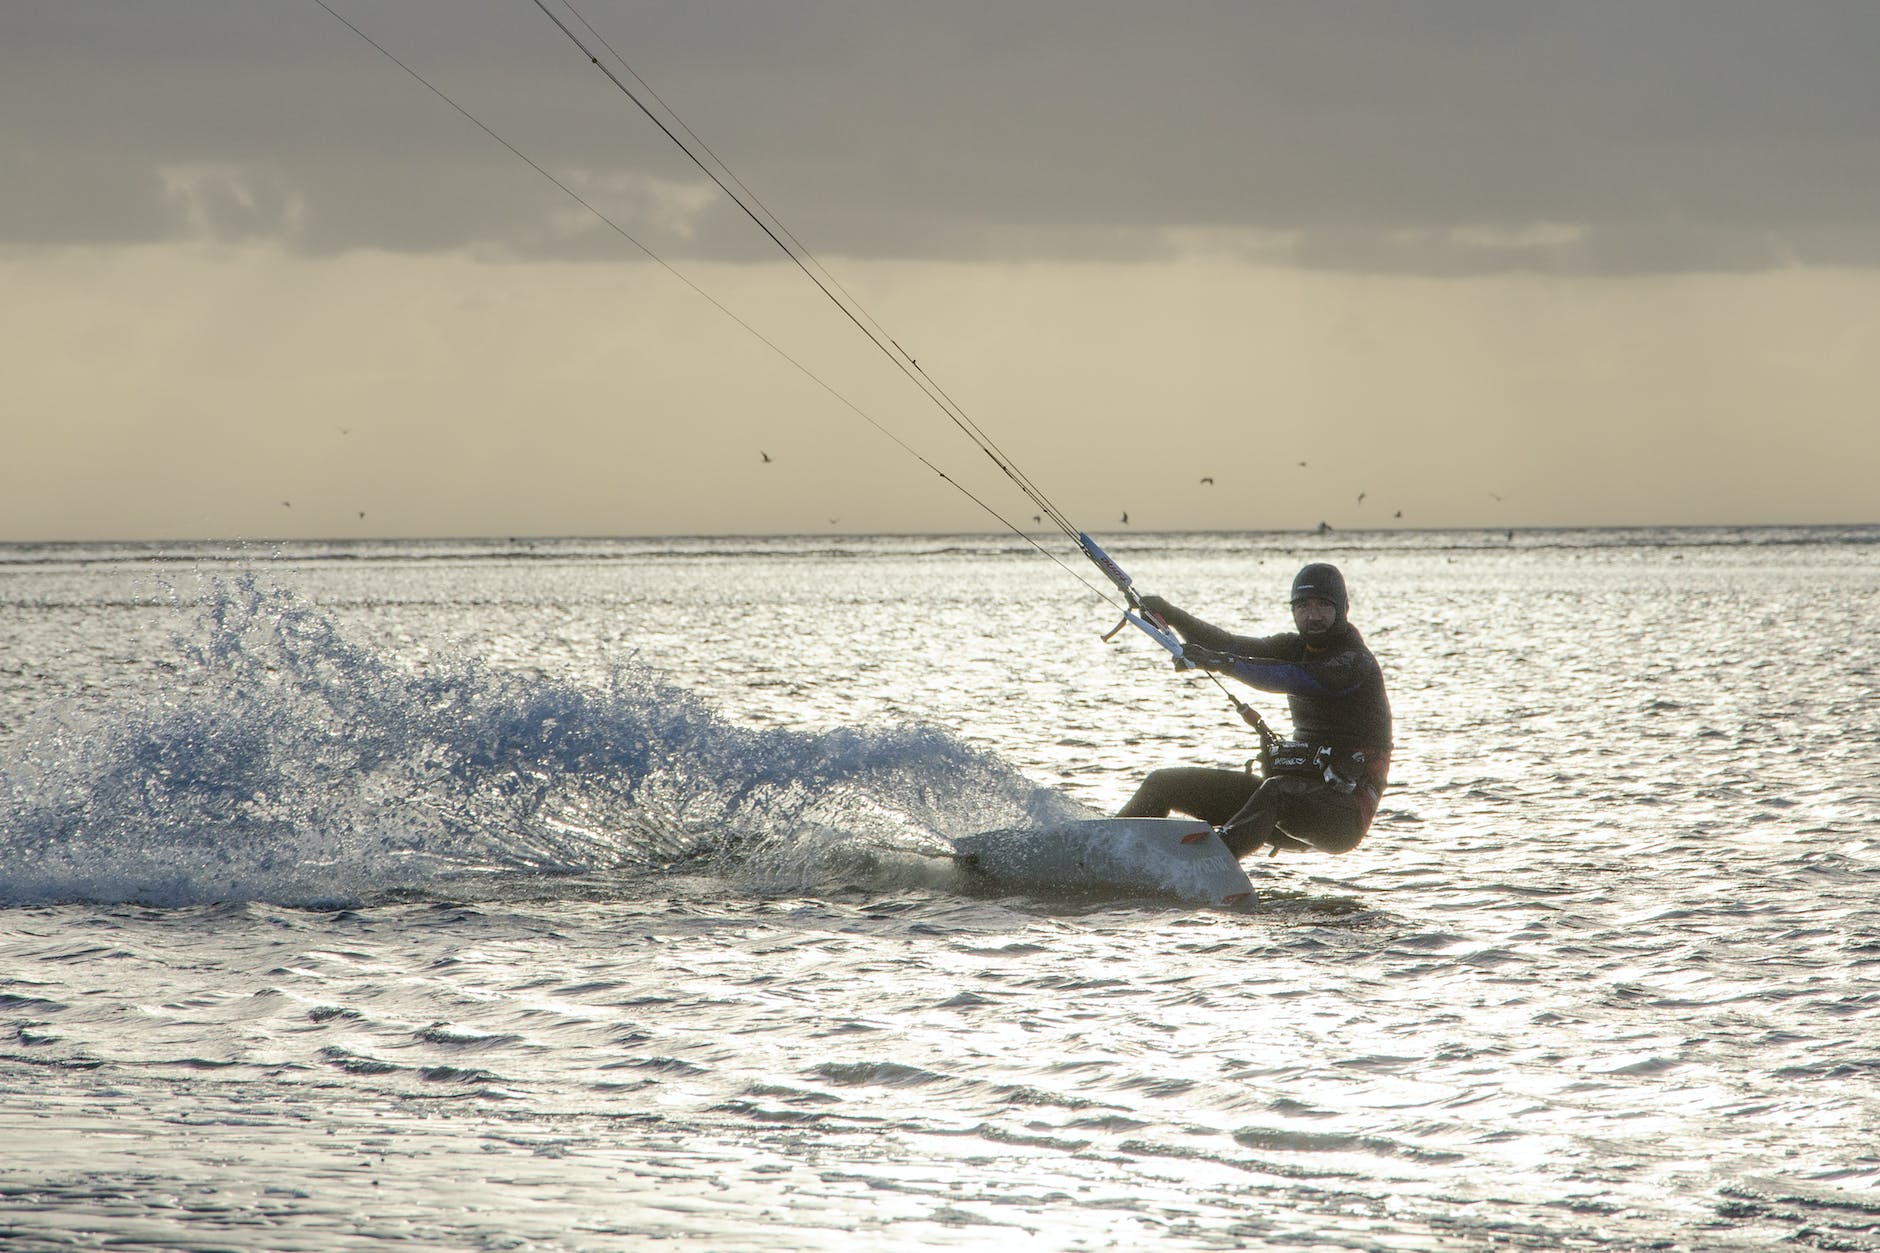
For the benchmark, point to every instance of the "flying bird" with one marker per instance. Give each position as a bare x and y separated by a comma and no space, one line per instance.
1125,517
1398,514
764,455
1208,479
1302,465
1361,496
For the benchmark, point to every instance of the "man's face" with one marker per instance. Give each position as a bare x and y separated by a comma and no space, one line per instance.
1314,615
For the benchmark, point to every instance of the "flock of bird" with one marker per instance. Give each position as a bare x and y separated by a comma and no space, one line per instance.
1207,480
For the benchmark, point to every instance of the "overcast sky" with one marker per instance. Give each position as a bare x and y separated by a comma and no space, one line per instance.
1486,263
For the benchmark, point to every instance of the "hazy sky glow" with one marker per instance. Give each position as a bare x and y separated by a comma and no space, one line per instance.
1486,263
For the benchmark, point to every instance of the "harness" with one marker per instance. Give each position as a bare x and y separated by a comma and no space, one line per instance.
1346,769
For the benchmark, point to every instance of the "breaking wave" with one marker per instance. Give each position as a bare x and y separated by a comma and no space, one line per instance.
291,764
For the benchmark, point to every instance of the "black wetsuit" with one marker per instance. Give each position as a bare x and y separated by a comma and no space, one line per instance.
1340,711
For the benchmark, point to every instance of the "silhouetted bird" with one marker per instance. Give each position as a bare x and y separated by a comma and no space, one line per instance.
1125,517
1361,496
764,455
1208,479
1398,514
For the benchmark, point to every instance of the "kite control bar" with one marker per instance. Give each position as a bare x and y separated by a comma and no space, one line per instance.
1135,615
1158,630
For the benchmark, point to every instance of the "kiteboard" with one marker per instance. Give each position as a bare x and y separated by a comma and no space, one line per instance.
1177,857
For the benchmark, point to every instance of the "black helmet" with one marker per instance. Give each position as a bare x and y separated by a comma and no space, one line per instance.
1321,579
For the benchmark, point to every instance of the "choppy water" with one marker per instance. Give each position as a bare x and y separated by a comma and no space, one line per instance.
572,896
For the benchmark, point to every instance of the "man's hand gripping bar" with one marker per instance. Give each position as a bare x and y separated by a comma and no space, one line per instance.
1147,623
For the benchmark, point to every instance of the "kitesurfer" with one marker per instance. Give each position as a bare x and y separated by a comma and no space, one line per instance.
1318,790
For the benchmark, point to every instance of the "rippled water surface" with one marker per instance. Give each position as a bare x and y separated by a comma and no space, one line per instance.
578,895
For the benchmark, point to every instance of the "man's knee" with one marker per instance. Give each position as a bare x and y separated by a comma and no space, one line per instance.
1315,815
1153,798
1334,841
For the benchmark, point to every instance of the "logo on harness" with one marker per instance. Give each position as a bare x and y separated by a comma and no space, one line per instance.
1342,768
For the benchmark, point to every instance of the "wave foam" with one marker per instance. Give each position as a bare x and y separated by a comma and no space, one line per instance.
290,764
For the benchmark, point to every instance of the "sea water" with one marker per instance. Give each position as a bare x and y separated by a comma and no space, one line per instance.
582,895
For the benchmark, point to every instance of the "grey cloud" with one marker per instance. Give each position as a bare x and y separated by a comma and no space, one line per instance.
1678,134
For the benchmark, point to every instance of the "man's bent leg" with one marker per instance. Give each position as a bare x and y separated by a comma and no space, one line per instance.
1293,812
1213,796
1253,824
1324,817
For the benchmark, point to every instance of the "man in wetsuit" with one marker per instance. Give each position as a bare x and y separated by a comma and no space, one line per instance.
1319,790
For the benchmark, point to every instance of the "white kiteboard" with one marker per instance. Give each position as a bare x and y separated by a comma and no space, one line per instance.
1174,856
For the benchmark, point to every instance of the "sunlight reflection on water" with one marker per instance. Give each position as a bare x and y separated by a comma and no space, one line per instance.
1602,976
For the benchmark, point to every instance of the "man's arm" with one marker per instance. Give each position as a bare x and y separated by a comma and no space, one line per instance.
1194,631
1339,674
